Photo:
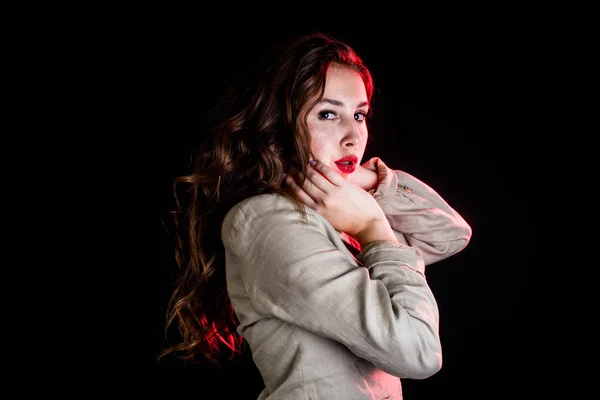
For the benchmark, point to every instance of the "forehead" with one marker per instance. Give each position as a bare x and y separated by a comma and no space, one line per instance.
344,82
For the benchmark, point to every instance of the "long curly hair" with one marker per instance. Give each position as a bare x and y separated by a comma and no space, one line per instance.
259,132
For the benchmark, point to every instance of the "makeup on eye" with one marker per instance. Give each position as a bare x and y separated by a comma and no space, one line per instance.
328,114
324,114
362,107
363,114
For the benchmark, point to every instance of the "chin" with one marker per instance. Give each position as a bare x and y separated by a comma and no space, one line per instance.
342,174
334,167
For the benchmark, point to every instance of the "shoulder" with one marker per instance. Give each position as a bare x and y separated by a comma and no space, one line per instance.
265,211
257,205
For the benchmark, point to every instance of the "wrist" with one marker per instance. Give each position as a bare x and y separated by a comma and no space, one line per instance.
377,230
365,178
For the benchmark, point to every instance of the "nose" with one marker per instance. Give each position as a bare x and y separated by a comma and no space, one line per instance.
351,136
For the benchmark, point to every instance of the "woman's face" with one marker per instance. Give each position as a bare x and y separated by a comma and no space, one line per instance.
337,124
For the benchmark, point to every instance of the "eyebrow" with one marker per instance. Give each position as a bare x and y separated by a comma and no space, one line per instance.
341,104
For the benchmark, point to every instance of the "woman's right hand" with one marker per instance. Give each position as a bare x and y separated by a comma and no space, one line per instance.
347,207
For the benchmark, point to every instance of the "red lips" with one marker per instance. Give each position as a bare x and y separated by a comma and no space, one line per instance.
347,164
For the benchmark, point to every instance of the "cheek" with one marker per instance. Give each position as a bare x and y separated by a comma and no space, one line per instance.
364,134
320,137
319,146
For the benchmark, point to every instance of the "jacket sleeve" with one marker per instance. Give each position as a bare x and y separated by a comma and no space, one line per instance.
419,216
383,311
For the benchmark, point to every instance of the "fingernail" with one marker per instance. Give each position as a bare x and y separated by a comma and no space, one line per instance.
312,162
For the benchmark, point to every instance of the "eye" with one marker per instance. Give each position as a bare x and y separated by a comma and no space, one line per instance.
360,116
327,115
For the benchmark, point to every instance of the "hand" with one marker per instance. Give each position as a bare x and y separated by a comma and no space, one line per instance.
368,175
365,178
347,207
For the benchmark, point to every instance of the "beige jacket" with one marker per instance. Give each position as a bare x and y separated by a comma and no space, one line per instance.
324,323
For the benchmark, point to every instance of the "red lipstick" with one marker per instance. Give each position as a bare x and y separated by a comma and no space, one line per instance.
347,164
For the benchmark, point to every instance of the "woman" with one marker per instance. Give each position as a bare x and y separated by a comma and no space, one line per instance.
289,243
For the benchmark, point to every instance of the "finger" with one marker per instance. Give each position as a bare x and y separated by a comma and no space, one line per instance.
319,184
371,164
309,186
302,195
375,164
328,173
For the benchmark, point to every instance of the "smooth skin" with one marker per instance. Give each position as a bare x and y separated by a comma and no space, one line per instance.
338,128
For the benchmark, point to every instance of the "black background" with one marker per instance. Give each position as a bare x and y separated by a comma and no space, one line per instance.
466,107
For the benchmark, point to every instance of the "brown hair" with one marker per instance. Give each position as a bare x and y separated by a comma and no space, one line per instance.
260,132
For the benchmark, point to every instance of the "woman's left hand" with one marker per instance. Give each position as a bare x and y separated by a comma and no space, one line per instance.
365,176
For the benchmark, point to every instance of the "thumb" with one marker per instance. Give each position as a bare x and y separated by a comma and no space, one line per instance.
375,164
371,164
